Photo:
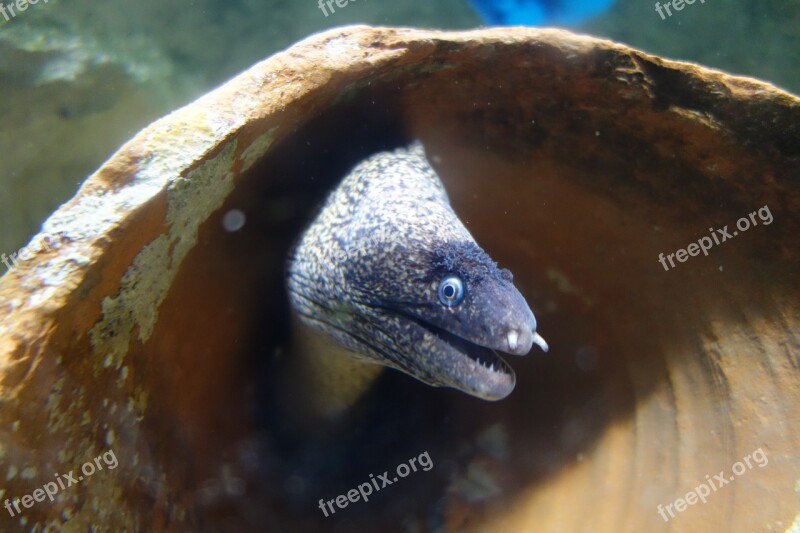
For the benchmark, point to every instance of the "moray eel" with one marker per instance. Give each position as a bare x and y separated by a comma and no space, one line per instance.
390,275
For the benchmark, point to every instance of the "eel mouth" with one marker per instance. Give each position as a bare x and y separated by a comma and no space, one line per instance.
464,365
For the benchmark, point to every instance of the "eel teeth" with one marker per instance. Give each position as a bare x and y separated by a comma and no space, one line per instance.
513,337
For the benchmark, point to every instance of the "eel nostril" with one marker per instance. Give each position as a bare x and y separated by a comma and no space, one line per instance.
539,341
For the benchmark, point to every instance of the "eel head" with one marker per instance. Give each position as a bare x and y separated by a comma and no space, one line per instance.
398,280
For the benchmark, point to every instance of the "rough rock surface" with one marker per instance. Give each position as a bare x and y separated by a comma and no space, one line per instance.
139,325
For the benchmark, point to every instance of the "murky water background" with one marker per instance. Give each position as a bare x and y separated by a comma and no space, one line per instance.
79,78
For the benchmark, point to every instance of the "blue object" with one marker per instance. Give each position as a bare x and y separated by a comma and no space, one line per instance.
538,12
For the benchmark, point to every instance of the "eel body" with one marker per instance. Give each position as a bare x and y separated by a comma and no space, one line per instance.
388,274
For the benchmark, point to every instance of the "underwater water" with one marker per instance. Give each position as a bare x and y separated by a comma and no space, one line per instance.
156,374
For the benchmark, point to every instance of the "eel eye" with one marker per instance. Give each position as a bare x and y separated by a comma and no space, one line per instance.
451,291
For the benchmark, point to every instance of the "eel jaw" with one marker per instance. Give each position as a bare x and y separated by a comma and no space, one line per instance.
453,361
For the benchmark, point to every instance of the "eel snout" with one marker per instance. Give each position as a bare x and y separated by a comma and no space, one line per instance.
511,324
493,313
493,317
521,337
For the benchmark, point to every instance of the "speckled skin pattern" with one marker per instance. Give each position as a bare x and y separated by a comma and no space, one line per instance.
367,270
